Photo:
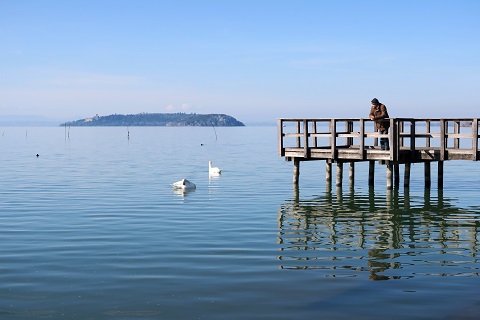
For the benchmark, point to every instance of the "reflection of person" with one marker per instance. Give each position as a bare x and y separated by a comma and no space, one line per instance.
378,112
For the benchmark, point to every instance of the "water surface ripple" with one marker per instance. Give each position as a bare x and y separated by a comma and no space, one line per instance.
92,229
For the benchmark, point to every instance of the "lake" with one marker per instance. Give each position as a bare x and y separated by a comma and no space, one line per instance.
92,229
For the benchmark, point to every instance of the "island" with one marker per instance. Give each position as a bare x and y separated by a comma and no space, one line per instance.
158,119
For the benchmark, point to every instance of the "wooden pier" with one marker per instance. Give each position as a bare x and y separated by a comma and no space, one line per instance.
341,140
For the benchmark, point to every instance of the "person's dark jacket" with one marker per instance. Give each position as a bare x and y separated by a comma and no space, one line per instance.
380,112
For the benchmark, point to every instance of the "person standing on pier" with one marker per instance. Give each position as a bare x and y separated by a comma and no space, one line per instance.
378,112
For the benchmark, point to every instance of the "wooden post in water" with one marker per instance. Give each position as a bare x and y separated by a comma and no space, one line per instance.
406,175
428,180
351,174
440,175
389,176
388,199
296,170
328,171
371,173
339,174
396,175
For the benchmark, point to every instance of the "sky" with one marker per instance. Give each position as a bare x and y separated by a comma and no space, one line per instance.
256,60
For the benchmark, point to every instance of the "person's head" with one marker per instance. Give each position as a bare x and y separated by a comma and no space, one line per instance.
375,102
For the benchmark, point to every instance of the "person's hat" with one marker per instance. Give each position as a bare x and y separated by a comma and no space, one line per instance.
375,101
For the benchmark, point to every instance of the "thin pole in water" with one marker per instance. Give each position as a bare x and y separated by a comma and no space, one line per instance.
215,132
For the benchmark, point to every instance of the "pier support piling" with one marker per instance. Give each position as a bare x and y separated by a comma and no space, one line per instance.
296,171
339,174
328,172
440,175
428,178
371,173
351,174
396,176
406,175
389,176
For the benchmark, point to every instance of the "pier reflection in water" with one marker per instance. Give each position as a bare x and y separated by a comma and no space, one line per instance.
390,235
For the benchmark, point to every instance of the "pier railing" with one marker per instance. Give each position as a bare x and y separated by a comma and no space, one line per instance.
411,139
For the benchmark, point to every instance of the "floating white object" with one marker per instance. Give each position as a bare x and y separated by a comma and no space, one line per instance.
213,170
184,184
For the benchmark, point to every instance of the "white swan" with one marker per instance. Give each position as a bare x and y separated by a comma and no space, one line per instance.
184,184
213,170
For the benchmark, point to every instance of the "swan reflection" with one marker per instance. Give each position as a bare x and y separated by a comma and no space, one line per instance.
183,192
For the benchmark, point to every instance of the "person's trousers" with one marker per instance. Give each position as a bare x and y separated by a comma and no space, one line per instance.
384,144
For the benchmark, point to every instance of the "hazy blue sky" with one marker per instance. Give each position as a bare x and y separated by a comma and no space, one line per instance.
256,60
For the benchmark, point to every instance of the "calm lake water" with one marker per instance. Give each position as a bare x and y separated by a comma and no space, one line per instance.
92,229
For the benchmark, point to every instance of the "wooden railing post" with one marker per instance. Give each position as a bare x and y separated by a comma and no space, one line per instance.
314,130
443,141
412,139
333,138
401,128
297,127
349,129
427,127
305,138
281,150
456,130
475,139
393,140
362,139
